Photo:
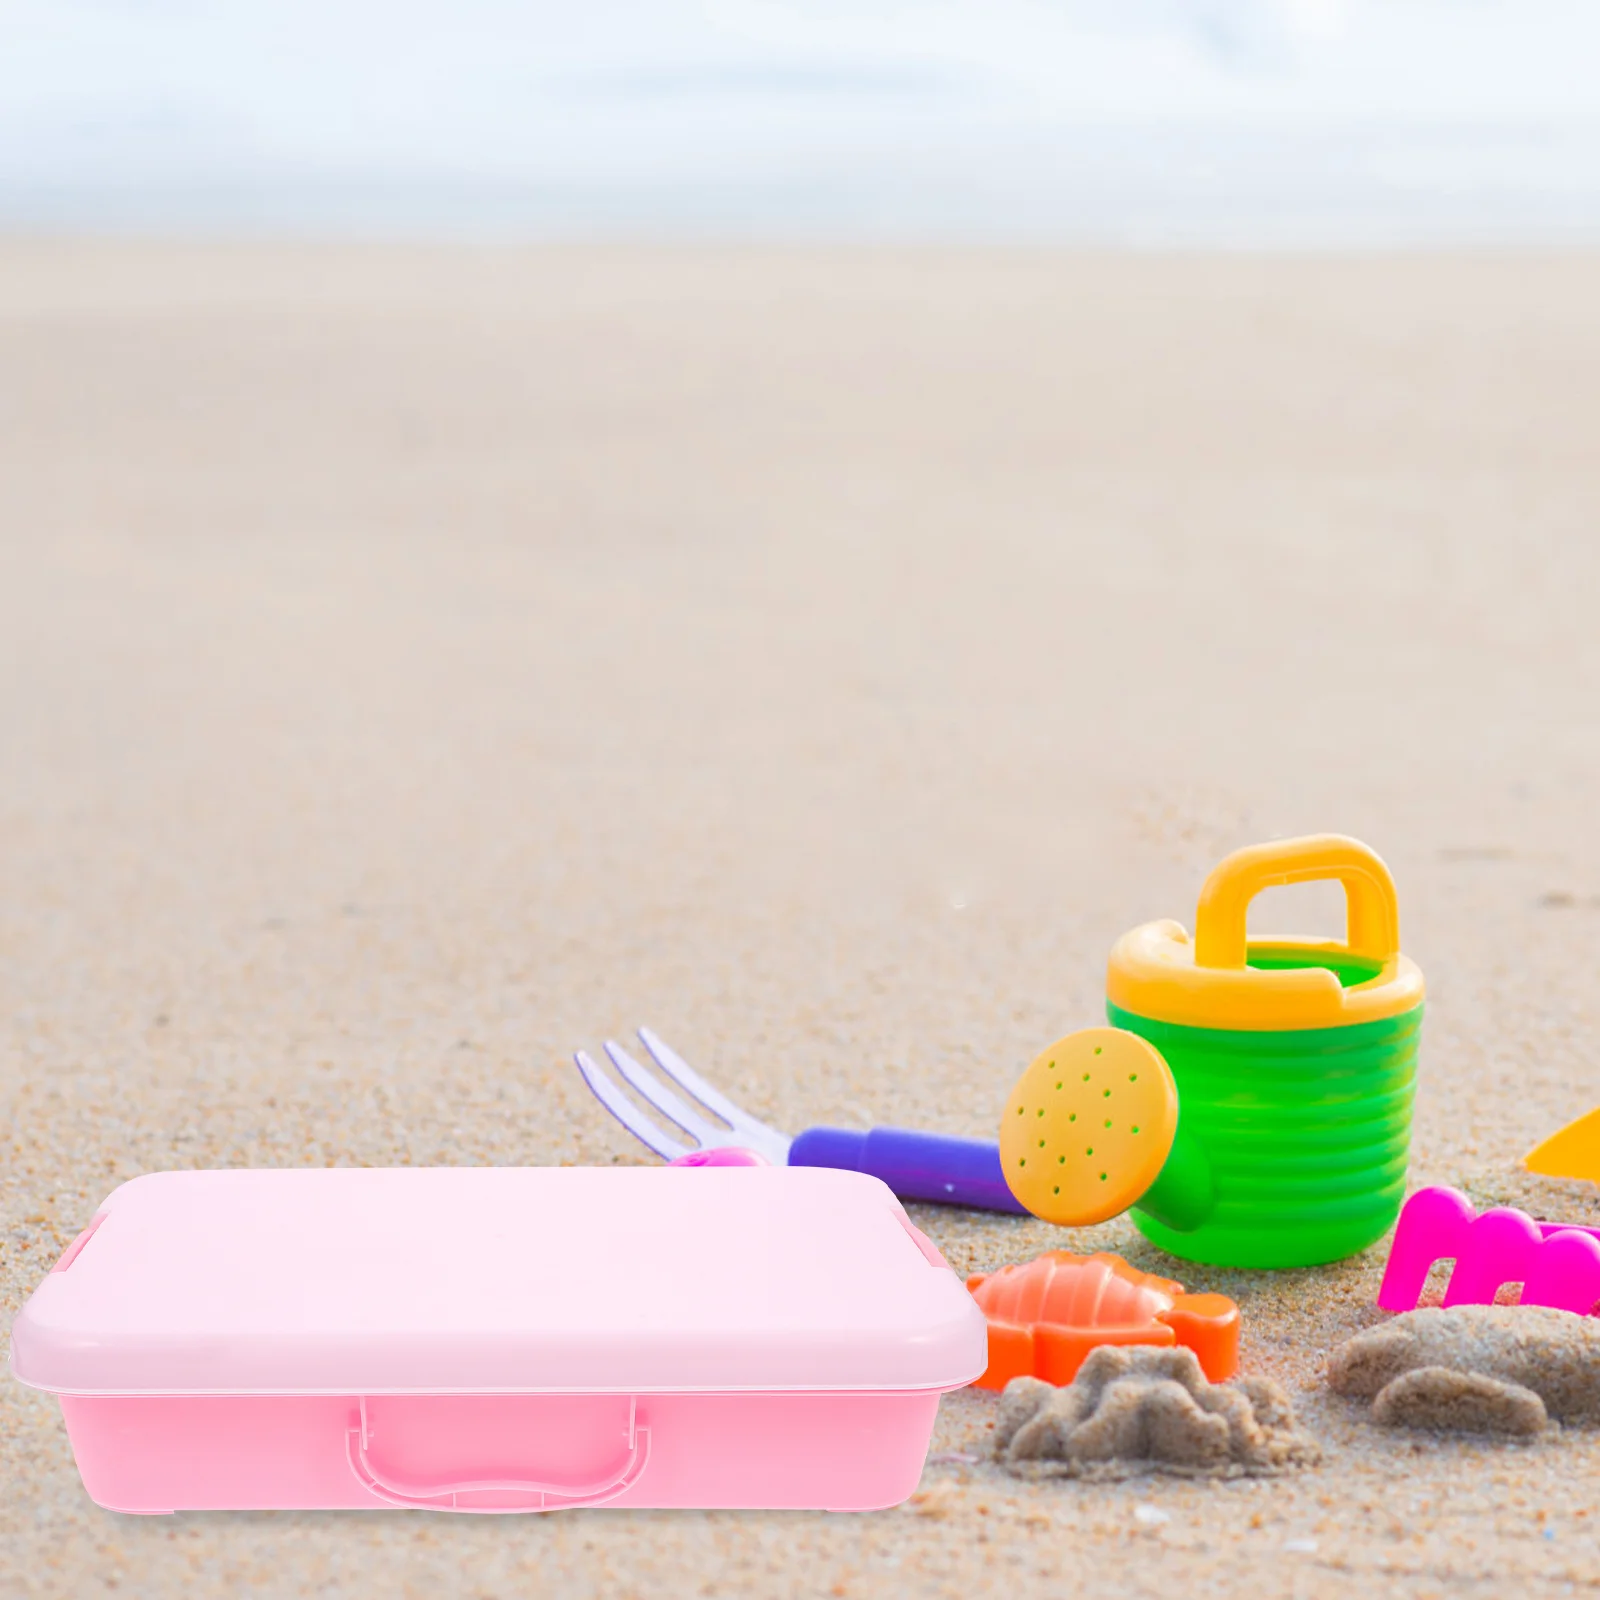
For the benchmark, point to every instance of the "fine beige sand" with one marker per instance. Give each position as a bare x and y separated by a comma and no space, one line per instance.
416,663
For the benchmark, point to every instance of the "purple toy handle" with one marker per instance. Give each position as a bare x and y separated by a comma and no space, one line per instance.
1557,1264
917,1166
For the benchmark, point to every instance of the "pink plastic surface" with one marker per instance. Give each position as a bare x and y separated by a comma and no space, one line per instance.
722,1155
488,1453
1557,1264
498,1279
500,1340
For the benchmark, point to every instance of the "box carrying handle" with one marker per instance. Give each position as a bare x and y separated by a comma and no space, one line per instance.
540,1496
1372,918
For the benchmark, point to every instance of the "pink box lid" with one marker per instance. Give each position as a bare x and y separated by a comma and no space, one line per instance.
496,1279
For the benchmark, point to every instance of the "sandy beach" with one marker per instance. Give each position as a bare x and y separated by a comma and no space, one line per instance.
415,663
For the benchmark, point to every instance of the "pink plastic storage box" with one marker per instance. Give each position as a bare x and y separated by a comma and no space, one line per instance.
500,1339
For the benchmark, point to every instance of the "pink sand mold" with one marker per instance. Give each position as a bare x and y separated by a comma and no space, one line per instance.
500,1339
1557,1264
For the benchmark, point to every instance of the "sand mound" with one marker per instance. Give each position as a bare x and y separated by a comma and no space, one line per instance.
1475,1369
1141,1409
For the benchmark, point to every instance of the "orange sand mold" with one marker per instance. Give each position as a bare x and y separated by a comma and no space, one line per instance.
1046,1315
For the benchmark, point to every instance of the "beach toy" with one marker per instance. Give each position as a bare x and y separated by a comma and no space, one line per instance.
917,1166
1557,1264
1089,1126
1261,1117
1046,1315
723,1156
1573,1152
499,1339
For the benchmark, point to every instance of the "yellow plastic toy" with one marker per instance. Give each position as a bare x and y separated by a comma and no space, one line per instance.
1088,1126
1222,980
1573,1152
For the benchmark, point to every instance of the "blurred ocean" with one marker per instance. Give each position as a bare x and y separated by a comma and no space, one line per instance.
1216,122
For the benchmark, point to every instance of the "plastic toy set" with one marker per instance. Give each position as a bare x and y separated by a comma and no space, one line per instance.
771,1330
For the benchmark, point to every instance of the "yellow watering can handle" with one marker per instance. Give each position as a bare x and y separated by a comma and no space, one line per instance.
1373,912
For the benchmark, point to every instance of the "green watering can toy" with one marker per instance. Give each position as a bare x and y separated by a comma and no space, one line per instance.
1251,1103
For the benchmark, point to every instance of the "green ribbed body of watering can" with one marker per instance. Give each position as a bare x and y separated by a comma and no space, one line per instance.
1251,1103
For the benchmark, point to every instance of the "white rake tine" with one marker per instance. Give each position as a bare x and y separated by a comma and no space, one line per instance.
626,1112
686,1077
775,1145
664,1100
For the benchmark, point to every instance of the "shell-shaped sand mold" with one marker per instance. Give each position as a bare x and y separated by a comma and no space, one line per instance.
1046,1315
1088,1126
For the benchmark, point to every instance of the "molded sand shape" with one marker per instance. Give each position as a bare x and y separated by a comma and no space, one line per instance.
1475,1369
1142,1410
1046,1315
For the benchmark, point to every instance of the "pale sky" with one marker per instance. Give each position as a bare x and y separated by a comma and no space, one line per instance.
1255,120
